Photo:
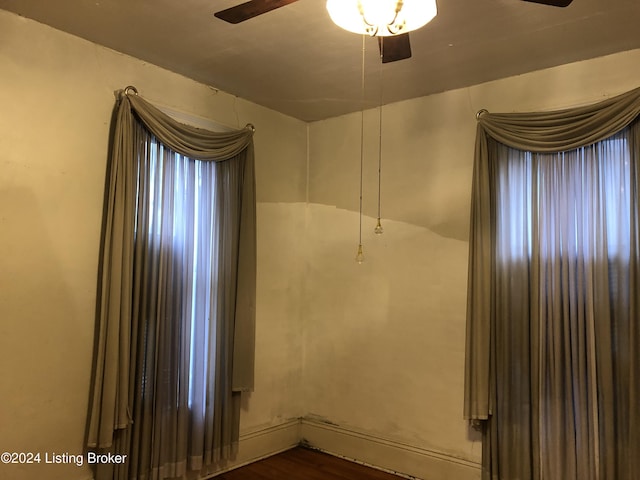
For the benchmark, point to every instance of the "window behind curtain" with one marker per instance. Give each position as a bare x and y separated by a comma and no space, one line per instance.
183,265
569,195
180,223
562,277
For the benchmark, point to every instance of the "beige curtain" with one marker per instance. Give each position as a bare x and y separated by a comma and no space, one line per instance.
553,313
178,253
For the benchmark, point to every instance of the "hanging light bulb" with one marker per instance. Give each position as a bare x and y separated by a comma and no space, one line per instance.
381,17
378,230
360,254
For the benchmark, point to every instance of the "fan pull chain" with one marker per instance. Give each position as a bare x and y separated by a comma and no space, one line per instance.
360,254
379,230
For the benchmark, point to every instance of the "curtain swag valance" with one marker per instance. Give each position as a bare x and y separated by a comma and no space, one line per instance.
110,407
560,130
185,139
543,132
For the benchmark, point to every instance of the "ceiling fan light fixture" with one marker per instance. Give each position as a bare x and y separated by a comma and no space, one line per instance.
382,18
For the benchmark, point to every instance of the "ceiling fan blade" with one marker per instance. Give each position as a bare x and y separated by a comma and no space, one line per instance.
250,9
553,3
394,48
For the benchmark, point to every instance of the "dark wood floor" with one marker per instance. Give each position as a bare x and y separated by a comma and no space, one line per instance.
305,464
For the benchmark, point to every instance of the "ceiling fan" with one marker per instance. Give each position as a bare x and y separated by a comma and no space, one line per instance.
392,48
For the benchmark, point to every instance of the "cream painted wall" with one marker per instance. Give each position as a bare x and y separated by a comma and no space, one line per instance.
384,341
56,99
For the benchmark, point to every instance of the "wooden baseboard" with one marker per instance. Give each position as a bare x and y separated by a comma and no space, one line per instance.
388,455
405,460
264,442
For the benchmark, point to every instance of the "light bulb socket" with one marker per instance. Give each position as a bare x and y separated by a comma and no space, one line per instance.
378,230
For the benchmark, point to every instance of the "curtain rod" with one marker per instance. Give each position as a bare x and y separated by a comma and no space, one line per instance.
131,89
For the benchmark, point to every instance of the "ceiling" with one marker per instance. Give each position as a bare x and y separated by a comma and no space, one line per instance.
296,61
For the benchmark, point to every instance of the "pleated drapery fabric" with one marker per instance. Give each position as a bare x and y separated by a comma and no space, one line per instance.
553,311
176,295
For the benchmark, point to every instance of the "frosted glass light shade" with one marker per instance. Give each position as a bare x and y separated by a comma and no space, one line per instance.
381,17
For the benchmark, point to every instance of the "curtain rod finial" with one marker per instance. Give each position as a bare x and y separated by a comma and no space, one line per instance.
251,127
479,113
131,89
